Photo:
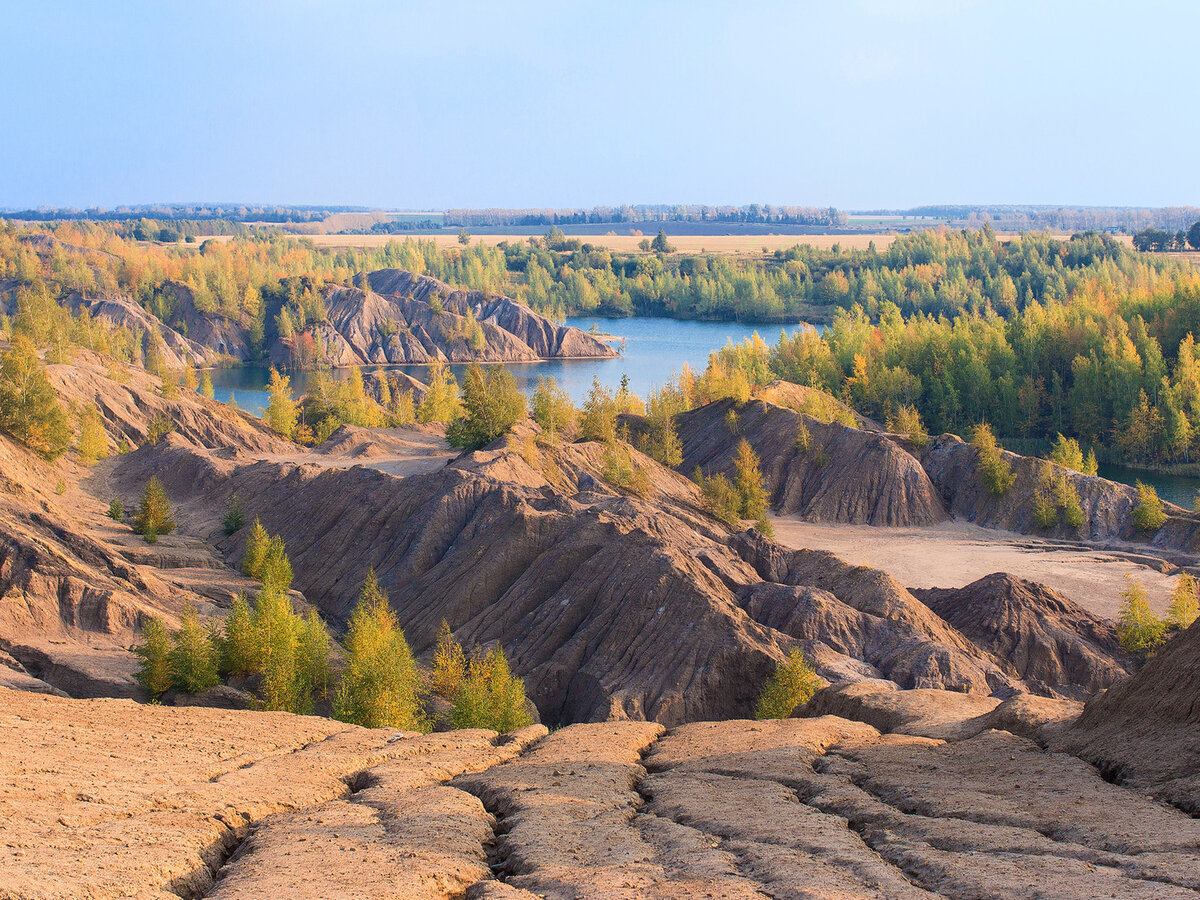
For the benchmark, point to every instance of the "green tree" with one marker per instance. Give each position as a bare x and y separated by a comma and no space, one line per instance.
440,403
241,652
1193,236
793,682
492,404
93,441
449,664
154,516
276,567
660,244
154,656
1066,453
206,387
116,510
281,408
552,407
312,661
194,656
1182,610
235,515
277,628
993,468
598,421
490,696
258,542
380,686
1138,629
908,421
464,236
1148,514
29,407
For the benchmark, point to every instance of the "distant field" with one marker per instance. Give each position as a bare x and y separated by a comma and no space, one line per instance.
736,244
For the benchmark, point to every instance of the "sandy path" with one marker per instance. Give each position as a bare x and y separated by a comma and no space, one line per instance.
954,554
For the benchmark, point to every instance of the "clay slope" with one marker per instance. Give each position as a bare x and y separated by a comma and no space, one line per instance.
846,475
1107,506
129,406
395,322
1055,645
610,605
177,351
1145,730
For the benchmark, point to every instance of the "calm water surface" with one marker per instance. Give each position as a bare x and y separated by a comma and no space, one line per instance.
652,351
1178,489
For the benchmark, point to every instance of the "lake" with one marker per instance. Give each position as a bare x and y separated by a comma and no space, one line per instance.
1178,489
653,350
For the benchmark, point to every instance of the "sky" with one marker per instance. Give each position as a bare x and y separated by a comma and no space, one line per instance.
413,105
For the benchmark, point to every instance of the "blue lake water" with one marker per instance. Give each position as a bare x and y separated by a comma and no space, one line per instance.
1178,489
652,351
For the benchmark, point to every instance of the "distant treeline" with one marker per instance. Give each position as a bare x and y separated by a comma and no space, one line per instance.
1156,239
179,211
754,213
1125,219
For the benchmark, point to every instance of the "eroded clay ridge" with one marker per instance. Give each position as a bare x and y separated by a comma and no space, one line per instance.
106,799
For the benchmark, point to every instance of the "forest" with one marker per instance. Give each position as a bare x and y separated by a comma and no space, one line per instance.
1034,335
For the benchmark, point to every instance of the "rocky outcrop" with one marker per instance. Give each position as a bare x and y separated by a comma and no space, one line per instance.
1055,645
843,475
1144,731
408,318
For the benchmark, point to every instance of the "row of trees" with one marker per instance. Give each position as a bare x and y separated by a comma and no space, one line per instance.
1154,239
284,657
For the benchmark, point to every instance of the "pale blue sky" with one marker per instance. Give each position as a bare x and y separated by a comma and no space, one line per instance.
861,103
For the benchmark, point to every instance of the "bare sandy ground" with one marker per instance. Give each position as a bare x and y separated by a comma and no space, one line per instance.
954,554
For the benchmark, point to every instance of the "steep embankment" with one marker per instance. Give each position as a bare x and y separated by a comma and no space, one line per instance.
408,318
1145,730
839,474
610,605
1051,641
842,475
1107,505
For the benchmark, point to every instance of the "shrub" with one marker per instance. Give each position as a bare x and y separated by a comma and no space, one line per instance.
29,407
380,686
154,654
492,405
731,421
1183,610
206,387
621,471
116,510
194,656
234,516
1138,629
794,682
93,441
449,664
908,421
154,516
157,428
1067,498
60,487
803,435
552,407
1148,514
721,499
490,696
661,442
748,481
993,468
